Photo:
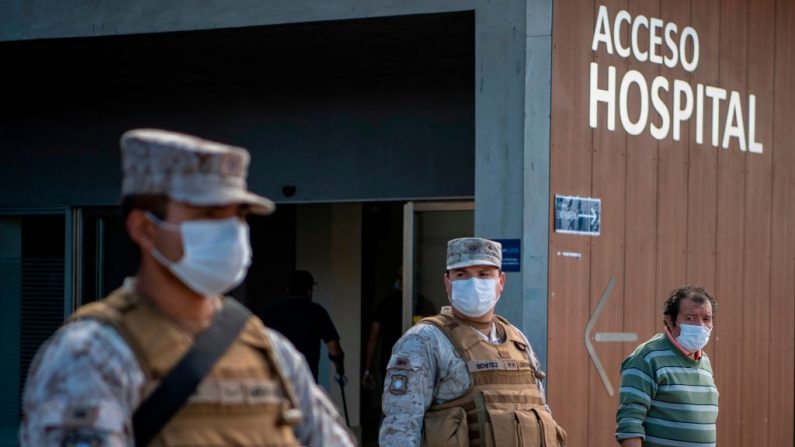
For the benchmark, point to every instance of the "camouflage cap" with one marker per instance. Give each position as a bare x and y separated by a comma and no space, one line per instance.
469,251
187,169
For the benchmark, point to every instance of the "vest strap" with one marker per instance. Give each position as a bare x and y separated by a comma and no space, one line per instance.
459,335
291,414
482,417
181,382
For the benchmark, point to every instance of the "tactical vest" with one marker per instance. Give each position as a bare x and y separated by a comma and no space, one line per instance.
503,406
243,401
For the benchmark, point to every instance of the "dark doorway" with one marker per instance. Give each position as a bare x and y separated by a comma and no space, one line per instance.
382,256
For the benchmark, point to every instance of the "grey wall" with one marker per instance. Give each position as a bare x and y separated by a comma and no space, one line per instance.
343,111
26,19
352,143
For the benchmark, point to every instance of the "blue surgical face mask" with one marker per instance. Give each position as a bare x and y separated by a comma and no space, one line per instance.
474,297
693,337
216,254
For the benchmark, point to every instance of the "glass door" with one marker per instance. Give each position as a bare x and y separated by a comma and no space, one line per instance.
427,226
35,297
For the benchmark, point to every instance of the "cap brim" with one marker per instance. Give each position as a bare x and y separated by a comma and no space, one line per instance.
257,204
464,264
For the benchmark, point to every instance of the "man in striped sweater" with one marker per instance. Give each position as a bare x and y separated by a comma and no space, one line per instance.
667,394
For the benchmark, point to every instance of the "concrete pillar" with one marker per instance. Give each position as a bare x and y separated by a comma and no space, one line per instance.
512,124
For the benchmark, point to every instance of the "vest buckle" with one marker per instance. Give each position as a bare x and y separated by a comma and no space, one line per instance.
291,416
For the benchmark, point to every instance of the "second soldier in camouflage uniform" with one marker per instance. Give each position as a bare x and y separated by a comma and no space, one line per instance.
467,377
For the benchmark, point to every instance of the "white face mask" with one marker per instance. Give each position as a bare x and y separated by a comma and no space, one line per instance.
474,297
216,254
693,337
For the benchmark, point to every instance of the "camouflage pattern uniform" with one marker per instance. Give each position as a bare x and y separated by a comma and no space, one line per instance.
424,369
86,392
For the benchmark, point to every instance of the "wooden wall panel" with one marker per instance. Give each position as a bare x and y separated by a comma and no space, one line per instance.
568,362
641,305
781,379
702,191
672,183
689,213
609,178
758,196
702,169
731,230
570,276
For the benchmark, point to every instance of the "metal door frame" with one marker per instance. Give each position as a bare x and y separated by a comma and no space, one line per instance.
409,246
79,216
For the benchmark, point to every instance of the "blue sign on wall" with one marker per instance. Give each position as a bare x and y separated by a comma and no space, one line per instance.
511,254
578,215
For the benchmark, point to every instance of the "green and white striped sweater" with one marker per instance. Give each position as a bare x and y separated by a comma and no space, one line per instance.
667,398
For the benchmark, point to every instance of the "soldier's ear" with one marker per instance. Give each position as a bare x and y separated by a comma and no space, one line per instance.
141,229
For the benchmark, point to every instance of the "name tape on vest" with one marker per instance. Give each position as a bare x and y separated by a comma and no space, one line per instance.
234,392
497,365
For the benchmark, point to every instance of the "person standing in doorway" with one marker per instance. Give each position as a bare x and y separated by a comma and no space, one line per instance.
386,329
306,323
166,359
668,395
467,376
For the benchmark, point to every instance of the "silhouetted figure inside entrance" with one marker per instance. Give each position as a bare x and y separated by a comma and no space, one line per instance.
386,329
305,323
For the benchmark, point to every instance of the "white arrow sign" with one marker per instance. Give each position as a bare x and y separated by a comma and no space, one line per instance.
578,215
593,216
604,336
618,337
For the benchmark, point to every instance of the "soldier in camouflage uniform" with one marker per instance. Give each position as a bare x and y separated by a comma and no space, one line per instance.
184,203
467,377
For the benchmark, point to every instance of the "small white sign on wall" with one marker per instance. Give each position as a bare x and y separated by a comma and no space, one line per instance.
578,215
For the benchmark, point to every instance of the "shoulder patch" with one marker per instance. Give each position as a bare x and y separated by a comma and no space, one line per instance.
402,363
399,384
80,415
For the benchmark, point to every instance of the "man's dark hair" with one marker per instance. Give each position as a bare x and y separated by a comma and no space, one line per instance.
154,203
695,293
300,283
447,272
